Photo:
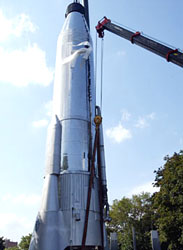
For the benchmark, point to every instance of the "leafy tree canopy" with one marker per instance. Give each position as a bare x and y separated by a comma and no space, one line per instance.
2,241
135,212
25,242
12,248
23,245
168,202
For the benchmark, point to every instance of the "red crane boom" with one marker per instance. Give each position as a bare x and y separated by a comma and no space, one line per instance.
171,55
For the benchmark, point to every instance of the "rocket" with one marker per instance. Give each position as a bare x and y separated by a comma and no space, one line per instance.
74,204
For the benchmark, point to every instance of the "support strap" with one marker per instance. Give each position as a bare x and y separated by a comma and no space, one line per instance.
169,53
134,35
100,193
97,121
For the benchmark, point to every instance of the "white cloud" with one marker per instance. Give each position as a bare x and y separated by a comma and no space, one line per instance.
13,226
141,123
48,107
40,123
181,141
48,112
121,53
23,199
118,133
15,26
125,115
24,67
151,116
21,24
147,187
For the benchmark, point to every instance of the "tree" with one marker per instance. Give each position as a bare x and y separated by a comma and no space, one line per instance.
120,213
135,212
23,245
168,202
142,214
25,242
2,241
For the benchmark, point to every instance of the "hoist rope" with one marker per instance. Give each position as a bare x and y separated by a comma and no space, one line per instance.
96,57
101,79
101,69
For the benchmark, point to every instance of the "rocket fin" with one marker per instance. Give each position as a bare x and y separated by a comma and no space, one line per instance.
53,151
46,231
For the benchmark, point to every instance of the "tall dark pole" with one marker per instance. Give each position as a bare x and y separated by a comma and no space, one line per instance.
85,2
134,238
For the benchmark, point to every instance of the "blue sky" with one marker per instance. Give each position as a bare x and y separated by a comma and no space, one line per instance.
142,99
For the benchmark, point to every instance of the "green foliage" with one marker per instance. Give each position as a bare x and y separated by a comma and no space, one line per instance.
127,213
121,221
2,241
23,245
142,215
168,202
12,248
25,242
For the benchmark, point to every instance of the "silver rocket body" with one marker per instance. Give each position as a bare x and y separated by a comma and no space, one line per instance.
60,221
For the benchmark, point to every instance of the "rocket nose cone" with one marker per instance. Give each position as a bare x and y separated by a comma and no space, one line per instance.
75,29
75,7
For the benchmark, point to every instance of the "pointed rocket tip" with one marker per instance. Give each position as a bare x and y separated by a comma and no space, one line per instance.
56,117
54,120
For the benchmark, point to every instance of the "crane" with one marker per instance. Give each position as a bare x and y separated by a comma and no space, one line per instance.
171,55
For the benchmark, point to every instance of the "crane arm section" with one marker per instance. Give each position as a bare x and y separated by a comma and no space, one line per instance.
171,55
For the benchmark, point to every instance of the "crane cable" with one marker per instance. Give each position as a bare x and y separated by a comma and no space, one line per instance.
101,79
96,54
101,68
